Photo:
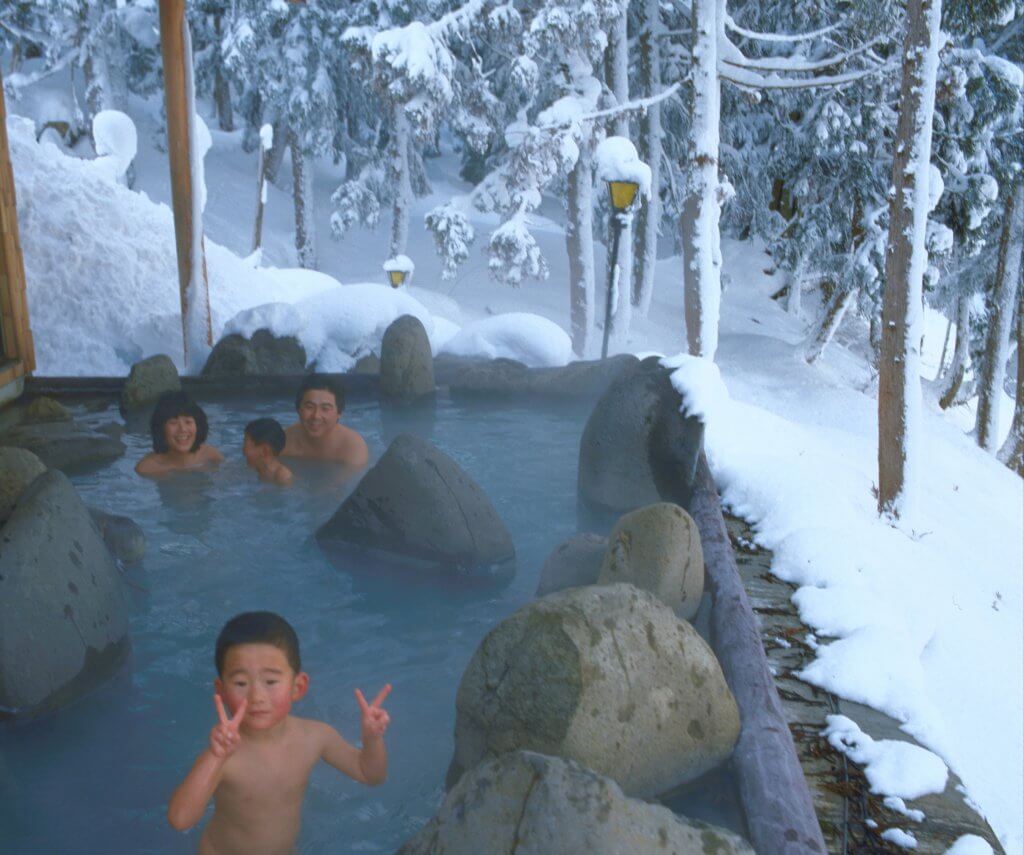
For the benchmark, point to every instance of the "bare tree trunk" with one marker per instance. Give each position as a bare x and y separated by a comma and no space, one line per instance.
282,137
830,320
702,261
648,218
261,194
945,350
796,287
1012,452
401,181
221,87
305,226
899,378
958,367
579,243
990,384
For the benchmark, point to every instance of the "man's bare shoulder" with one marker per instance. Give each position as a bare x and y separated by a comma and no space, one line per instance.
350,447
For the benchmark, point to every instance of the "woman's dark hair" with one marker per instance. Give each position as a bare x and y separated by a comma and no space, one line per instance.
170,406
267,432
258,628
322,382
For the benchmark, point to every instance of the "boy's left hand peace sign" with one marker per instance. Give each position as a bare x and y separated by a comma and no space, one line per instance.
375,720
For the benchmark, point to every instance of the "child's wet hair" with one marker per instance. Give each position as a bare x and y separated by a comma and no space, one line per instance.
258,628
321,382
169,406
267,432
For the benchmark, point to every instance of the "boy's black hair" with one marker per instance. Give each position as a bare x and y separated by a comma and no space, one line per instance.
324,382
170,405
258,628
267,432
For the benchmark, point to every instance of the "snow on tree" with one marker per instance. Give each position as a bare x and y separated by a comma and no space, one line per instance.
899,380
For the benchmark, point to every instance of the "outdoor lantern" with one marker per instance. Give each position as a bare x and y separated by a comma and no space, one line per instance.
623,193
399,270
397,277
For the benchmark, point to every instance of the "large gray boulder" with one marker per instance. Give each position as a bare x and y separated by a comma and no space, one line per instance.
532,804
122,535
263,354
44,409
406,362
637,448
18,469
504,379
63,621
604,675
419,503
574,562
65,445
657,548
147,381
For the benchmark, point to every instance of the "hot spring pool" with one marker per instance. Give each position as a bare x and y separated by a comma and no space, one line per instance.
96,777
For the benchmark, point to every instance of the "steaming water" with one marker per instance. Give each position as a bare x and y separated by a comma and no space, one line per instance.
96,777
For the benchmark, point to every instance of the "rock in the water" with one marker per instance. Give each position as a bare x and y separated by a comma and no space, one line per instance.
574,562
18,469
605,675
657,548
532,804
148,380
406,363
43,409
637,448
263,354
122,535
502,379
65,445
418,502
65,624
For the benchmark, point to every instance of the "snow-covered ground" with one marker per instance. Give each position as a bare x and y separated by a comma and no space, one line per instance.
924,622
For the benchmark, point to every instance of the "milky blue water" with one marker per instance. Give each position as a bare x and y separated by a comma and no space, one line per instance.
96,777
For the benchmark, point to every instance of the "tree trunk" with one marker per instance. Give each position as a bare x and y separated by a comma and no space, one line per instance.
261,196
899,378
648,218
990,384
579,243
401,181
702,262
1012,452
221,87
958,367
282,137
305,227
945,350
830,320
796,283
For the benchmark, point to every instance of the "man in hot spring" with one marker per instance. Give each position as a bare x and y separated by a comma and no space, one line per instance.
318,434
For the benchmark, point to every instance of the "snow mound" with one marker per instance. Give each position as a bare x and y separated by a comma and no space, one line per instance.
101,267
892,768
338,325
115,138
617,160
530,339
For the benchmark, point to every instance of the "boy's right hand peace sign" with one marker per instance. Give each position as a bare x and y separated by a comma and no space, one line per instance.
224,737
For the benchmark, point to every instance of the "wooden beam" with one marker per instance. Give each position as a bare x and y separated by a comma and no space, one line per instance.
17,335
176,90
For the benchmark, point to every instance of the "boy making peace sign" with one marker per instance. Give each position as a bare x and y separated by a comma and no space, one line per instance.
259,760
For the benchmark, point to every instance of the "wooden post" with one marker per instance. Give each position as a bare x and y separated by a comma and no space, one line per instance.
176,85
18,356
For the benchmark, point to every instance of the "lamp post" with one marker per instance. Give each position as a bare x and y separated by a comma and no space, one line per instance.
623,195
399,270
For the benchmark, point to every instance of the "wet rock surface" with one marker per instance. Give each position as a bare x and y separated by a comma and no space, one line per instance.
18,469
123,536
503,379
418,502
406,362
533,804
147,381
657,548
65,445
263,354
605,675
64,621
574,562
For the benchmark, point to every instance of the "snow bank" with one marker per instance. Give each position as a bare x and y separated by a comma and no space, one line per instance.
339,324
101,267
115,138
530,339
893,768
926,626
617,160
